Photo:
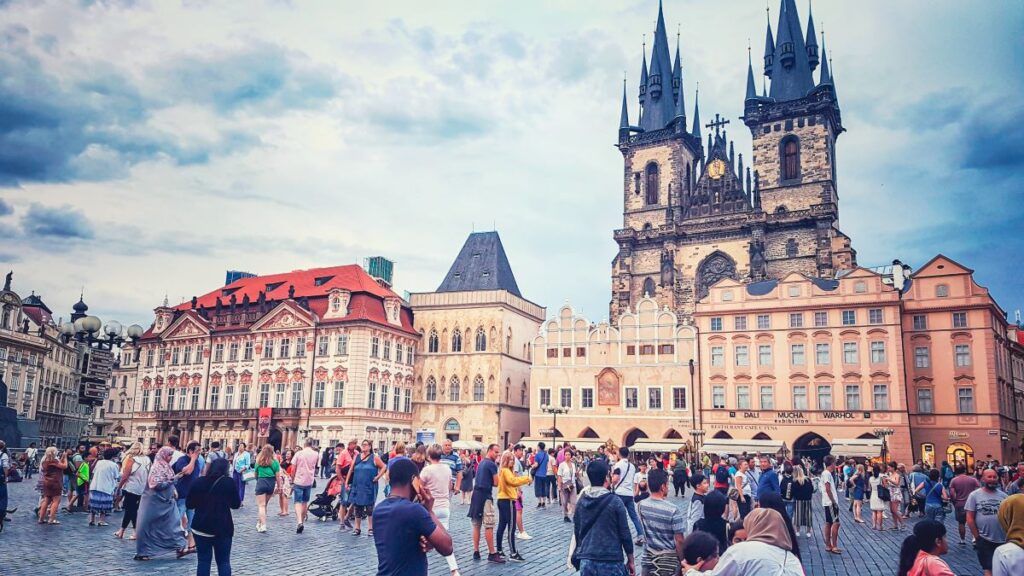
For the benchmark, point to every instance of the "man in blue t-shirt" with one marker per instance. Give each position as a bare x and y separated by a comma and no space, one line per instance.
452,460
540,486
189,467
403,528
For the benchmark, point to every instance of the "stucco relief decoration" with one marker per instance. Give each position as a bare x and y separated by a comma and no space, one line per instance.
231,377
281,375
608,384
196,379
716,267
408,380
321,373
284,320
386,377
297,375
159,381
215,379
171,381
186,329
340,374
265,377
246,377
147,382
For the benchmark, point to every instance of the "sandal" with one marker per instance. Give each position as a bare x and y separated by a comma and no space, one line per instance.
54,522
141,558
356,532
119,535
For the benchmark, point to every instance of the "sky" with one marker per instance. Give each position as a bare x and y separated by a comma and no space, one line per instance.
148,146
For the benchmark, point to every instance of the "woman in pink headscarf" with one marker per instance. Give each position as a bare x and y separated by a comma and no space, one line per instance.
159,525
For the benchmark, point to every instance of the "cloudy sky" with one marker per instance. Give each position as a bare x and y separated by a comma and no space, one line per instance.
146,146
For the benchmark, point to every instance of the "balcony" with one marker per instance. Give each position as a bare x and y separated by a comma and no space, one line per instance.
225,414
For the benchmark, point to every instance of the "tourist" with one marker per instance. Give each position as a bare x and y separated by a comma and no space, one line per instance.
857,481
874,500
744,489
551,476
786,489
713,521
52,470
722,474
189,467
366,470
215,453
342,464
568,475
520,470
600,528
68,479
213,497
830,502
284,486
935,497
766,551
947,474
700,549
982,518
891,486
303,477
918,482
30,460
134,473
454,463
240,465
680,477
160,527
101,488
919,555
960,487
773,501
437,480
467,476
540,474
737,533
405,529
508,483
904,492
1008,559
326,463
623,474
665,527
803,492
695,511
640,490
481,507
268,476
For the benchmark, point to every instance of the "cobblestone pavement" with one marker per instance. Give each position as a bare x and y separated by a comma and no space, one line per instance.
29,548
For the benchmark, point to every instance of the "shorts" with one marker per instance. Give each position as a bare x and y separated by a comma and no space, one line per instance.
832,514
488,519
301,494
186,512
540,486
961,514
985,549
265,486
363,511
519,503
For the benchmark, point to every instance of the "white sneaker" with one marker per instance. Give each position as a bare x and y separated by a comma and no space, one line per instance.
523,536
809,535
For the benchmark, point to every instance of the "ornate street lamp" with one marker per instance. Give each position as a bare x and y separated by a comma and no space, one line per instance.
85,330
554,411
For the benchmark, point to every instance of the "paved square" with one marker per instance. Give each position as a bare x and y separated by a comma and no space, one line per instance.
74,548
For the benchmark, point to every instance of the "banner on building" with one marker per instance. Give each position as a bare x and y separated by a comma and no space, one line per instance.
426,435
264,422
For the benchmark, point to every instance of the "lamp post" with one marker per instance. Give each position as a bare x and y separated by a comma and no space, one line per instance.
554,411
883,433
697,435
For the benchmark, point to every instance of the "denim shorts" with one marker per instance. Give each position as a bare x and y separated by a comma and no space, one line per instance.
185,511
301,494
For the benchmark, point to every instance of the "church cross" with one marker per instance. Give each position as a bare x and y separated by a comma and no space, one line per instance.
717,123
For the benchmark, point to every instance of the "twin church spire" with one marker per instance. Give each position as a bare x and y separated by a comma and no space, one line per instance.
662,98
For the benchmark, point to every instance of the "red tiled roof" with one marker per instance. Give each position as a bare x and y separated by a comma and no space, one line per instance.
38,315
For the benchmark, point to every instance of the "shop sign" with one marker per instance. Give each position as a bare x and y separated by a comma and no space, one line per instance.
796,417
791,418
958,435
837,415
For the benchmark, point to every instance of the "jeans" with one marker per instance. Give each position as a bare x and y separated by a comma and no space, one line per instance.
935,512
593,568
506,519
745,506
631,510
131,509
791,509
206,548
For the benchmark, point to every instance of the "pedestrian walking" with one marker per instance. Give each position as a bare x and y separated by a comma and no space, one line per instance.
134,473
568,476
830,503
1008,559
366,470
601,534
858,484
508,484
623,475
52,470
407,529
695,511
241,464
665,526
437,480
268,474
160,527
481,507
304,476
102,487
936,497
213,497
960,487
982,518
713,522
919,554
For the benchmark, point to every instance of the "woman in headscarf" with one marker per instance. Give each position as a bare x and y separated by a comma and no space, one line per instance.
774,501
767,551
159,525
1009,558
713,521
919,555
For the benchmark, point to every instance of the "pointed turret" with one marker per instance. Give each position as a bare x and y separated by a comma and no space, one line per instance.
677,71
812,40
791,74
751,89
624,116
681,109
769,48
757,191
696,115
660,107
826,73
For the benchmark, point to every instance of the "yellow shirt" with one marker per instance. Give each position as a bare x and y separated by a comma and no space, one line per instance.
508,482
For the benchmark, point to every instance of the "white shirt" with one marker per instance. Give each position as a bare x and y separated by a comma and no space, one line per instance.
828,480
567,472
1008,560
31,453
754,559
624,484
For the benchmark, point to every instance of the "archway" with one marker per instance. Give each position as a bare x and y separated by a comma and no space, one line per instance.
960,453
762,436
722,435
632,436
588,432
672,434
812,446
452,429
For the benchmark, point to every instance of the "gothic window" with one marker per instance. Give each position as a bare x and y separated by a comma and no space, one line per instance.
649,287
457,341
687,178
481,340
431,392
454,389
478,389
636,183
790,158
713,269
790,248
432,341
652,183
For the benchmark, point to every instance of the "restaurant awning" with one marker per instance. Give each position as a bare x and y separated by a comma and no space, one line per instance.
578,443
732,446
666,445
468,445
857,447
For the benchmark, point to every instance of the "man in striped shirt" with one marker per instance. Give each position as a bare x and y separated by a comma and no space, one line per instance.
664,528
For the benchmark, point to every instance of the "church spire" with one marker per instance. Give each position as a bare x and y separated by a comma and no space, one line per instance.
677,71
696,114
826,73
812,40
769,46
791,72
751,89
624,117
660,107
681,108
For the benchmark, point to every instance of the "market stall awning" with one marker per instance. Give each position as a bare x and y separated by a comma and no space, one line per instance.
578,443
732,446
857,447
468,445
666,445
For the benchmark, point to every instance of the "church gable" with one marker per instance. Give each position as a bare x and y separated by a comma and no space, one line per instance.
720,189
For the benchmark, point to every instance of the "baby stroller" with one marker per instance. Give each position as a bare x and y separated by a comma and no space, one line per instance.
323,505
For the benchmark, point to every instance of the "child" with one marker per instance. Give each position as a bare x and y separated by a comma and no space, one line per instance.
737,533
700,550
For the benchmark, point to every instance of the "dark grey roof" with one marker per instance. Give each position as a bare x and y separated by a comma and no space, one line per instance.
481,265
660,110
824,283
36,301
795,81
761,288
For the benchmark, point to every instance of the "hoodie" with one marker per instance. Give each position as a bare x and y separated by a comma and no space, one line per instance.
609,537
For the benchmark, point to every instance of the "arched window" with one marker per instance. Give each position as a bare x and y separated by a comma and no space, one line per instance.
432,343
522,394
790,158
652,183
431,393
478,389
791,248
687,178
454,389
649,287
481,340
457,341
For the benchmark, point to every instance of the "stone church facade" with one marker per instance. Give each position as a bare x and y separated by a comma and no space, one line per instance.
693,214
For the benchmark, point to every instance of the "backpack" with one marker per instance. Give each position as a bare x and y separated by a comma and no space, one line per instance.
721,475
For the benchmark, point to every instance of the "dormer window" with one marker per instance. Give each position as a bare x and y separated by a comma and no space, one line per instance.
322,280
335,303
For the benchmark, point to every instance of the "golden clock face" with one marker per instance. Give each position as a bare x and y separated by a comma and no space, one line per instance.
716,169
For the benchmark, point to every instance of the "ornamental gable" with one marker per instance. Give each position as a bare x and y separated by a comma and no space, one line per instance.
186,327
286,316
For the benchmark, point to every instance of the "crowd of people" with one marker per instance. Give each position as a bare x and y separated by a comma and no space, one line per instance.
746,514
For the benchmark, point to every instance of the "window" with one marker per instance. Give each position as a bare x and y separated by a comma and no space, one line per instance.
796,320
199,355
717,356
718,396
822,354
962,352
233,351
743,397
387,349
654,398
959,319
243,396
149,358
800,397
195,398
824,397
186,354
678,398
279,391
431,391
396,405
342,345
174,356
409,355
793,291
881,396
408,400
853,397
767,398
247,351
632,398
941,291
268,349
375,347
820,319
920,322
875,316
285,350
742,356
878,352
587,397
338,396
716,324
384,396
454,389
229,396
296,395
924,401
145,400
456,341
850,353
265,395
371,396
652,183
182,398
399,350
763,322
764,355
790,159
849,317
322,344
922,357
796,354
565,397
214,397
432,342
300,347
478,389
740,322
481,340
545,397
965,400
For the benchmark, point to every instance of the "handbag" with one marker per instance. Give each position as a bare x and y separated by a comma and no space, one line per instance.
248,475
574,557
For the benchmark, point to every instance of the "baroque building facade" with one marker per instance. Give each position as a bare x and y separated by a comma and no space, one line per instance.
693,214
473,370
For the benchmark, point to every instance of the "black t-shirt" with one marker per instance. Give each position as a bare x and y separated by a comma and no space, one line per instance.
485,473
397,527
